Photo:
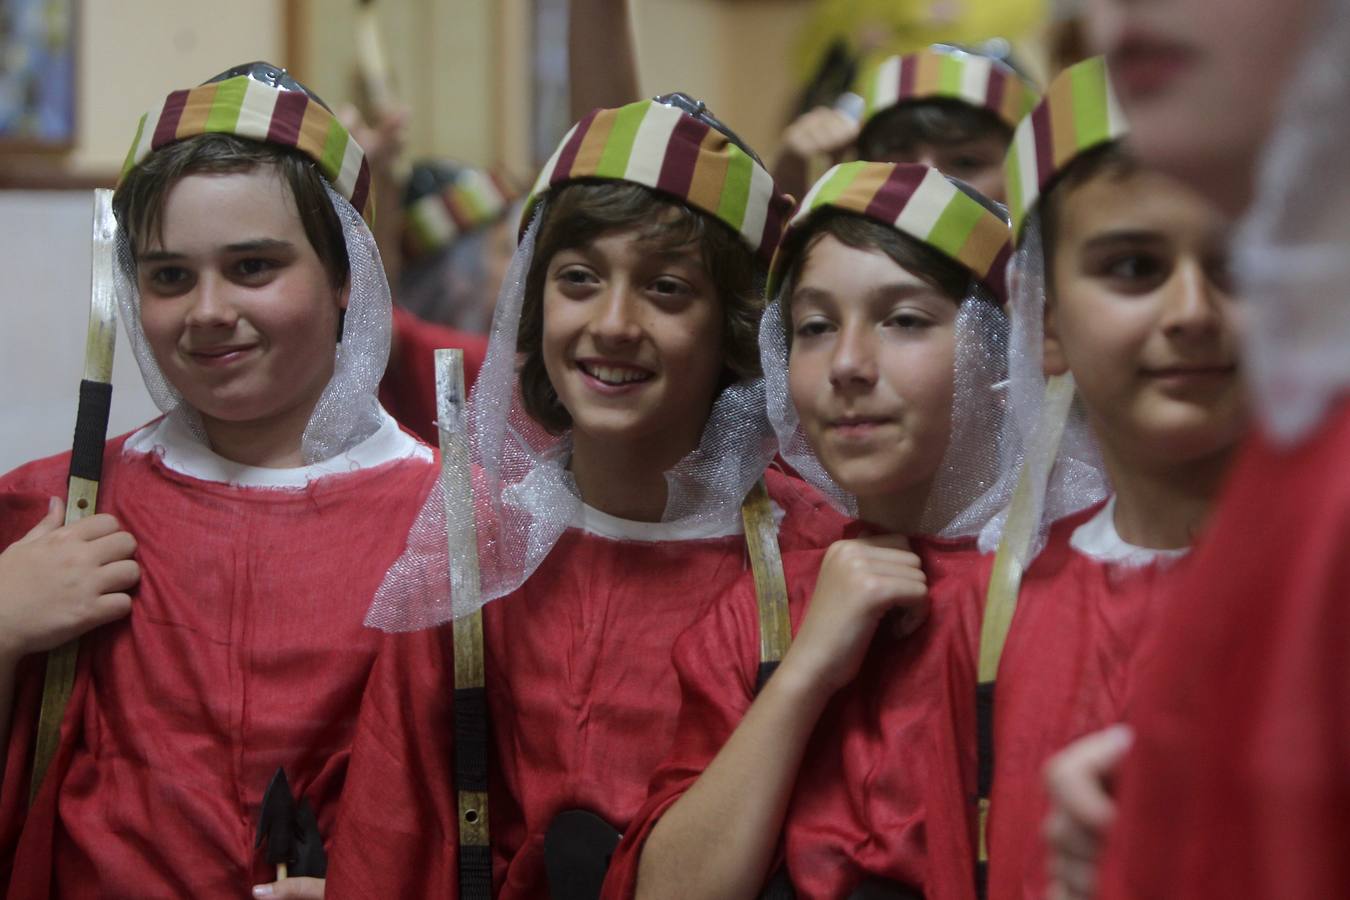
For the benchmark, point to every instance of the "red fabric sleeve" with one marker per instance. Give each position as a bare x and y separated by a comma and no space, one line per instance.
396,832
1239,784
408,389
717,661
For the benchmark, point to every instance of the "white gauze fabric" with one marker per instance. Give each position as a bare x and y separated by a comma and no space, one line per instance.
524,497
971,465
348,410
1291,249
1077,477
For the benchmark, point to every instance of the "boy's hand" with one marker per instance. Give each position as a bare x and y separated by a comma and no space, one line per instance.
1082,809
823,131
59,581
860,582
291,889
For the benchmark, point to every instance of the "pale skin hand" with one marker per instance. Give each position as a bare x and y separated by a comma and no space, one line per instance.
291,889
719,838
1082,809
56,583
820,132
383,141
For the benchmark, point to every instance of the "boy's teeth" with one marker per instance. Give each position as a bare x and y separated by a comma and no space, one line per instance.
615,375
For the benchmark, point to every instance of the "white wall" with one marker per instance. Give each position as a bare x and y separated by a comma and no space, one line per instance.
44,296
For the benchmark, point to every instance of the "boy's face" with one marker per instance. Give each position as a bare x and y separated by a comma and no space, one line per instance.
237,307
1200,81
632,339
871,368
1140,314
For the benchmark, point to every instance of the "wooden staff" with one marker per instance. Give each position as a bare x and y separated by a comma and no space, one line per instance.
86,463
1005,581
371,61
471,713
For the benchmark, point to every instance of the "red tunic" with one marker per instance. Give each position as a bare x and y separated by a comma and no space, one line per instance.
244,651
880,794
581,695
1239,783
1065,672
408,389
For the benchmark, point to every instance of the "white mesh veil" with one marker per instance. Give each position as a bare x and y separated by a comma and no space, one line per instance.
348,411
971,465
1076,474
524,495
1291,249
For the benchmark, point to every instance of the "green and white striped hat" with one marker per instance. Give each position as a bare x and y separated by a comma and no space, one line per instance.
669,151
1079,113
916,201
260,102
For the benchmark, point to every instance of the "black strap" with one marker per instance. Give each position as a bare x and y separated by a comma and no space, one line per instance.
91,430
471,739
984,777
766,670
475,872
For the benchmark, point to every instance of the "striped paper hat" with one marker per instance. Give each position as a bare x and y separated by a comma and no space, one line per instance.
469,198
952,74
247,107
1078,113
669,151
916,201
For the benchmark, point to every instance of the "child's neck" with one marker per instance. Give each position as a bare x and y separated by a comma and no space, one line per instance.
896,513
626,479
273,443
1164,508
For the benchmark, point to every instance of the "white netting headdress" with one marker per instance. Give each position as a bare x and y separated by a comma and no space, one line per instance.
1047,439
524,495
925,206
260,102
1291,257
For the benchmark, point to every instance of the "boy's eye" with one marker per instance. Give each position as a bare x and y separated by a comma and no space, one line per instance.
908,321
168,278
575,277
1135,270
815,327
254,267
670,286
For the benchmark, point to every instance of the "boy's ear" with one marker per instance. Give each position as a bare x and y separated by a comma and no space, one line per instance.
344,293
1052,351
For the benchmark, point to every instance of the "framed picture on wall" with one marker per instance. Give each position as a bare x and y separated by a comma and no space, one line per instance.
37,74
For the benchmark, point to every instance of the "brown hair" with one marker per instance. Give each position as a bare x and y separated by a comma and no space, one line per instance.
580,213
1107,161
139,201
862,233
930,121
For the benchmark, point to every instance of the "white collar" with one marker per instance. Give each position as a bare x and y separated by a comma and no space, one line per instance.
184,453
1098,539
602,524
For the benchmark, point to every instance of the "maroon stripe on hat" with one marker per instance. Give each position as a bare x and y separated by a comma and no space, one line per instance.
895,191
774,219
287,117
361,192
569,153
166,130
997,279
677,170
909,73
1045,155
998,84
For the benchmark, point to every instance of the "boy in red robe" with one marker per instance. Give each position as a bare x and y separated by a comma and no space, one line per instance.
265,505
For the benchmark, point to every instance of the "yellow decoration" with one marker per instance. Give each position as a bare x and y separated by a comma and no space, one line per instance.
876,28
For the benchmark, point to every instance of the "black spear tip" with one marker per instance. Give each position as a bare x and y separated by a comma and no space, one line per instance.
310,858
276,820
